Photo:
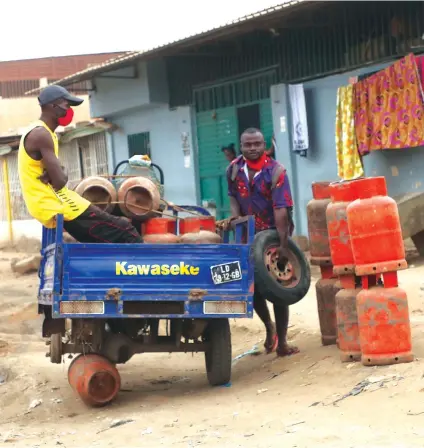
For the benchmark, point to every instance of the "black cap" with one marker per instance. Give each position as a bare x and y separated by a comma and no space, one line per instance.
53,93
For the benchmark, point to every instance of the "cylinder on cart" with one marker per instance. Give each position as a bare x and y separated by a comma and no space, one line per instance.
138,198
317,224
347,325
375,231
384,327
326,290
94,379
99,191
199,230
338,231
160,231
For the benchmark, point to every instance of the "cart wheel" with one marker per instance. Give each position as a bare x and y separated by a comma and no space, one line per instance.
218,353
56,348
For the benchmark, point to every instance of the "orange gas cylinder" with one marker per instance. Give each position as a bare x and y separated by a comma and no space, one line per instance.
375,232
94,379
384,328
326,290
160,231
347,325
99,191
338,230
317,224
138,197
199,230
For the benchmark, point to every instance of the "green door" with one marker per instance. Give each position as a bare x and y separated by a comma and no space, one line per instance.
215,130
218,126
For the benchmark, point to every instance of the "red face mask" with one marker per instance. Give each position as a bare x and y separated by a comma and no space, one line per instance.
67,118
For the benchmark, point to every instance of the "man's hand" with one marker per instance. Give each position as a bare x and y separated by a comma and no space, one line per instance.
228,223
45,178
283,257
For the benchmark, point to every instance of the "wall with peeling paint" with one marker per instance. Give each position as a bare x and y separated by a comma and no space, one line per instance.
403,168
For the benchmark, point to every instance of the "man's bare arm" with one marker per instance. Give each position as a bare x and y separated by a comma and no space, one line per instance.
39,146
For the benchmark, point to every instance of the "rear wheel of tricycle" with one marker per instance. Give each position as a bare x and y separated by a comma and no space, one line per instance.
56,348
218,353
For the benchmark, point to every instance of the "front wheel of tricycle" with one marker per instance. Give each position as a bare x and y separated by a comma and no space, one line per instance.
218,352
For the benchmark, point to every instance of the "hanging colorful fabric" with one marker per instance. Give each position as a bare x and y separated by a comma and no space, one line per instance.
349,164
389,108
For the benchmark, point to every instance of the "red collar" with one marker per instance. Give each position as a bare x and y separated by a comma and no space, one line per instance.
257,164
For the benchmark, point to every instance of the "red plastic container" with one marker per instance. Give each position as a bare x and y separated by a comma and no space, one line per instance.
384,328
342,195
317,224
375,232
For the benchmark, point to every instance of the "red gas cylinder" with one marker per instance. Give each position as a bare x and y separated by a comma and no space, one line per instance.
326,290
338,231
384,328
199,230
99,191
375,232
138,197
347,325
94,379
317,224
160,231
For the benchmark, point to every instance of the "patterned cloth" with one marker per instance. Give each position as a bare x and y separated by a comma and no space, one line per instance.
259,198
349,164
389,108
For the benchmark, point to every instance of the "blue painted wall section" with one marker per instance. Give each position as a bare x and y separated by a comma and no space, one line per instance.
402,168
141,105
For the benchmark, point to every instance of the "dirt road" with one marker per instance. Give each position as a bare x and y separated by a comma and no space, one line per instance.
270,403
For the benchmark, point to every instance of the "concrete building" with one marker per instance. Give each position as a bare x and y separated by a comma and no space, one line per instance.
182,102
17,77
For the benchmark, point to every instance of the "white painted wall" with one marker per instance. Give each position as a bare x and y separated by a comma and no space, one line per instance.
26,228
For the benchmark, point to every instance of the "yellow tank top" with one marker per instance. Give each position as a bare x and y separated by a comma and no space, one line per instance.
42,201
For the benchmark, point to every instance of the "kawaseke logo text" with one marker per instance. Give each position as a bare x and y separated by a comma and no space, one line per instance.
123,268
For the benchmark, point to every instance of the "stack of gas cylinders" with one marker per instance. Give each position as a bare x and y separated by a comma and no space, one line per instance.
366,250
138,199
192,230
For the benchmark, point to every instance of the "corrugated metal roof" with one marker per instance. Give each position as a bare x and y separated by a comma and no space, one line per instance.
113,64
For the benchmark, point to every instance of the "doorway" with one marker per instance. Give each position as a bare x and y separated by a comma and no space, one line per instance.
248,117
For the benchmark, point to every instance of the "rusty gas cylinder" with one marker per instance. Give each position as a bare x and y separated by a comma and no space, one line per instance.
160,231
94,379
326,290
99,191
375,231
338,231
317,224
384,327
201,237
347,325
138,198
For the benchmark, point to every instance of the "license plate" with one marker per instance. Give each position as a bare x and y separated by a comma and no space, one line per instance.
226,272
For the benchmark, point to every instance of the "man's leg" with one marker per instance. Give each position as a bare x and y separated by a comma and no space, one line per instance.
261,308
282,322
97,226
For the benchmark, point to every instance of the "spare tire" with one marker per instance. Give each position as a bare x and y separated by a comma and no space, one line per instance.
279,287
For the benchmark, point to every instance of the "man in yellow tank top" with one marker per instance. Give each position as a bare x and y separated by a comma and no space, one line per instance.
43,180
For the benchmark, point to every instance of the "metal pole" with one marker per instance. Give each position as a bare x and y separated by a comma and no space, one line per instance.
7,198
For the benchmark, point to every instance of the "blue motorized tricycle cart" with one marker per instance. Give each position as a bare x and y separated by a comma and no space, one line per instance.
108,302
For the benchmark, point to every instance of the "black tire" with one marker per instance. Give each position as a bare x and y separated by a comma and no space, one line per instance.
218,354
56,348
268,280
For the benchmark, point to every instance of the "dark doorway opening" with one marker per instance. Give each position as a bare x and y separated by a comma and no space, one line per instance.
248,117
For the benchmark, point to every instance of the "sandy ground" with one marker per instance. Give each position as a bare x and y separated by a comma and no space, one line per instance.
270,403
